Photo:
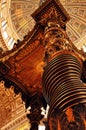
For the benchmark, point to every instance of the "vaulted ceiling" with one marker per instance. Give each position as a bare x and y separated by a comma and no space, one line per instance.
16,20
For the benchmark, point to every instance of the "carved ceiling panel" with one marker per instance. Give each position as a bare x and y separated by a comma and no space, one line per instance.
21,15
76,27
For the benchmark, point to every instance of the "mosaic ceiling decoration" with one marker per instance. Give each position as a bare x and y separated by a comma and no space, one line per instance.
17,21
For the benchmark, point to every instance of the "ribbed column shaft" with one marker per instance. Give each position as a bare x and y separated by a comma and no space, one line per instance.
62,86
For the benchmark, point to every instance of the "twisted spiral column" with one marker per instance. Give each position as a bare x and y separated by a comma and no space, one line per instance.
62,86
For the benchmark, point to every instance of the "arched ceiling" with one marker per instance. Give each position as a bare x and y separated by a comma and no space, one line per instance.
17,21
76,27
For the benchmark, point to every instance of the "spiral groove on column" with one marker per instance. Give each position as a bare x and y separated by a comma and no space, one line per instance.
62,86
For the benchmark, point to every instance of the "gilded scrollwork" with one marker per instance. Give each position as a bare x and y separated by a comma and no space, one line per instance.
56,39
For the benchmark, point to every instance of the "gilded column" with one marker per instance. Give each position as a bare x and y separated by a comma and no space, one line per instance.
62,87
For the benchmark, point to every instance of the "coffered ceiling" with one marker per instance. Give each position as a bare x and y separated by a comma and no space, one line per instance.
16,20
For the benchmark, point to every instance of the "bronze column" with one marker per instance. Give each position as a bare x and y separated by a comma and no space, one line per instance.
62,87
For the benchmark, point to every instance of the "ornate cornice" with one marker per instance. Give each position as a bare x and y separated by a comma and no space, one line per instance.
45,10
3,45
16,123
23,45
